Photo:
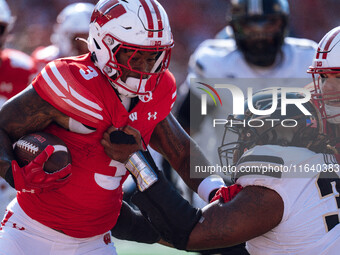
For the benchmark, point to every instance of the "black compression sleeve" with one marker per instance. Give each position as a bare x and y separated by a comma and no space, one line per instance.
131,225
172,216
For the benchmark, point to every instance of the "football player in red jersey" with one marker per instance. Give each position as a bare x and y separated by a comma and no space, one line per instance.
325,70
71,24
16,68
16,71
123,81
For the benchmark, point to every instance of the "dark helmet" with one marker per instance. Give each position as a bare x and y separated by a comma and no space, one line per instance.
293,129
259,28
6,21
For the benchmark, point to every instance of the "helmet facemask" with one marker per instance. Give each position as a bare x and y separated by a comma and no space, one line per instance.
260,37
122,73
327,100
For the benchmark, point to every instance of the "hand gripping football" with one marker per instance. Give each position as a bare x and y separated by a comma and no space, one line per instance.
30,146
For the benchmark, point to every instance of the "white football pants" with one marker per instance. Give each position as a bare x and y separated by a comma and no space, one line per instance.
21,235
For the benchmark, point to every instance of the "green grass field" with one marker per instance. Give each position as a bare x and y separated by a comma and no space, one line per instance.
133,248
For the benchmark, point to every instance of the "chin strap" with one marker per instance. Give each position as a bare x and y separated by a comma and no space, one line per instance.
146,98
134,83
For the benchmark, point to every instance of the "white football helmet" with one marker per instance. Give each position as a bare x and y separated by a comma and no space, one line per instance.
326,62
6,21
138,26
73,19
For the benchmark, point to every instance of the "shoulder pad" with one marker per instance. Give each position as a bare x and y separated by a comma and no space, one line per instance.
166,91
301,43
260,164
274,161
57,85
222,44
210,51
19,59
46,54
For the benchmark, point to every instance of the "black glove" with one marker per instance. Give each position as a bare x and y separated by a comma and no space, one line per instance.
132,225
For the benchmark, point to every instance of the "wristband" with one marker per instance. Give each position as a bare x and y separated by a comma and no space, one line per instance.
140,168
208,185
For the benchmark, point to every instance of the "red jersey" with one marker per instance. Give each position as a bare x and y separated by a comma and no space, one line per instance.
16,71
90,203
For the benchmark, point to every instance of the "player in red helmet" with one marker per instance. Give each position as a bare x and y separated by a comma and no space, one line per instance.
325,70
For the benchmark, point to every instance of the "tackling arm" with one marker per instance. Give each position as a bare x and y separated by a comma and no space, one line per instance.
254,211
170,139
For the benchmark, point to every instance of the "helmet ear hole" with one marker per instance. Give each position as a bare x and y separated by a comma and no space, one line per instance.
115,48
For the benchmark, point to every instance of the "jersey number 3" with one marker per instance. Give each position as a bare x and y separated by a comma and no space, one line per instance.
329,185
89,73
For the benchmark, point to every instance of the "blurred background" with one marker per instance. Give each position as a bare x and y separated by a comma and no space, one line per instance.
192,21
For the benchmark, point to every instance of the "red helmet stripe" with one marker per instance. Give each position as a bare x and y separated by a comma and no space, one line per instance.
319,48
148,16
159,18
318,53
330,40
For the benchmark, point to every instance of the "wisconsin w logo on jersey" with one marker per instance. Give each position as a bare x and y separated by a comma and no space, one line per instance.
133,116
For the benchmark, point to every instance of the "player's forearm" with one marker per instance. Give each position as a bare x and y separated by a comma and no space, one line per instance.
179,149
185,164
254,211
213,232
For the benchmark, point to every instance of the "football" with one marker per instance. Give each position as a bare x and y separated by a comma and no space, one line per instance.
31,145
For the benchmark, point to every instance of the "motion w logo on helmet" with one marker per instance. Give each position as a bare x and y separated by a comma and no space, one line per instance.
107,11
